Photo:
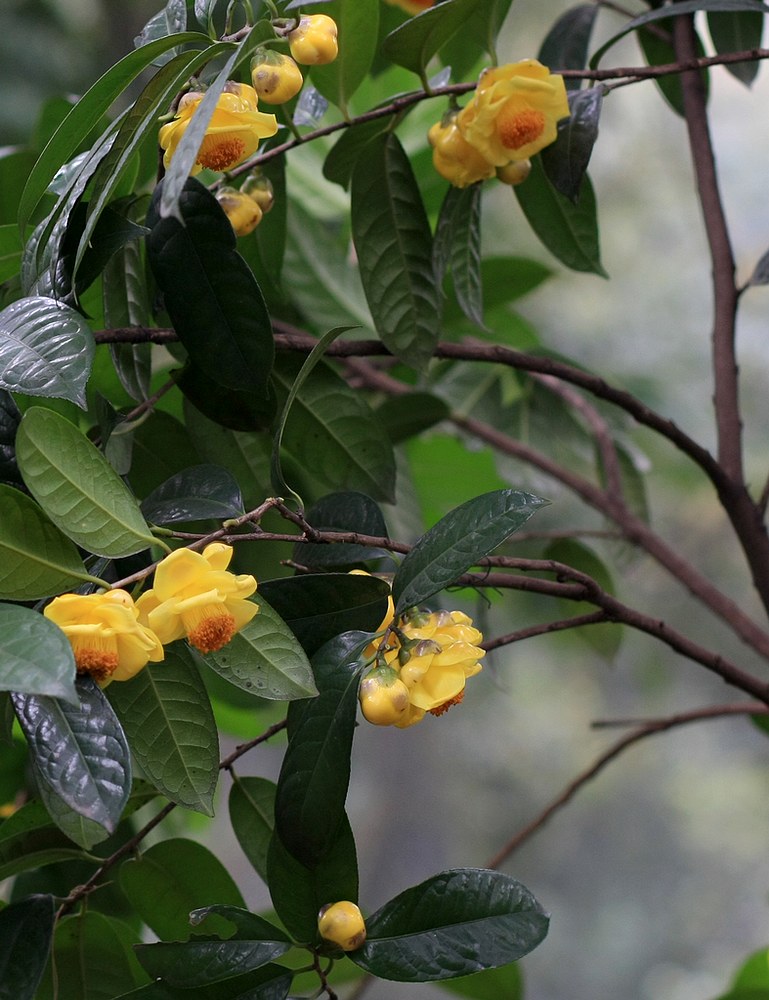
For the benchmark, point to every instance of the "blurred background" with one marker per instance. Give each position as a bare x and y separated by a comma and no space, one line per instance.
656,875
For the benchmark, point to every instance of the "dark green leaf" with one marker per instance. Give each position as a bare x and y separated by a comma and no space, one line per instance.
299,892
357,23
271,982
29,839
394,246
194,494
252,815
312,787
458,541
10,417
26,929
318,607
199,963
453,924
35,655
570,232
505,279
267,247
457,248
126,303
80,755
566,44
173,878
341,160
504,983
76,486
234,409
760,275
10,251
566,160
350,511
265,659
167,716
661,51
408,415
738,31
248,926
417,40
210,293
46,349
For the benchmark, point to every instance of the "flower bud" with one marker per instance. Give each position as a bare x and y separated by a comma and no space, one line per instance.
514,172
276,78
243,212
314,41
342,924
384,698
259,189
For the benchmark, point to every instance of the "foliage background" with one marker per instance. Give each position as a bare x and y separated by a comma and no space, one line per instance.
647,902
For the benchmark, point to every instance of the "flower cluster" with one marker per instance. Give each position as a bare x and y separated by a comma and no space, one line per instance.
513,114
422,667
193,595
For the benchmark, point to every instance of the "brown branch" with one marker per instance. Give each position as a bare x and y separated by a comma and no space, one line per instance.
649,728
548,628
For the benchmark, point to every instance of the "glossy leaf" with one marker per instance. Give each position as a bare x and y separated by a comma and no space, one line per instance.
79,755
342,511
739,31
35,655
252,815
271,982
171,879
566,161
566,44
194,494
46,349
458,541
299,892
457,249
200,963
167,715
570,232
453,924
76,486
312,787
210,293
394,246
26,930
265,659
29,840
357,24
317,607
417,40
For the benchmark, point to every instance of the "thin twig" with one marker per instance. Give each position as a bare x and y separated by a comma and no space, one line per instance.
547,628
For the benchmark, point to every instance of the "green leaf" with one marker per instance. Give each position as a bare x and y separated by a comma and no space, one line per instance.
271,982
343,511
167,716
358,27
340,162
417,40
333,435
248,926
394,247
26,930
79,755
10,417
317,607
408,415
126,303
35,655
566,44
457,249
29,839
210,293
738,31
46,349
299,892
173,878
566,160
504,983
570,232
312,787
194,494
265,659
234,409
660,51
10,251
199,963
458,541
252,815
453,924
77,487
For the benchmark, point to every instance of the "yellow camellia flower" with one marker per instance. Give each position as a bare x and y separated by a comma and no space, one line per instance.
514,112
242,211
411,6
454,158
276,77
194,595
313,42
384,698
342,924
107,639
233,132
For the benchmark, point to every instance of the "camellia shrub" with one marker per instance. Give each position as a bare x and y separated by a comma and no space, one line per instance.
207,522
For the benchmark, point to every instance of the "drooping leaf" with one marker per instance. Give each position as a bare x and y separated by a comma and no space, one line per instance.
171,879
660,50
46,349
79,755
235,409
265,659
570,232
35,655
29,839
458,541
271,982
312,787
457,248
10,251
319,606
200,963
252,815
194,494
453,924
566,160
566,44
126,303
210,293
357,23
417,40
340,162
343,511
26,930
166,713
394,247
737,31
76,486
